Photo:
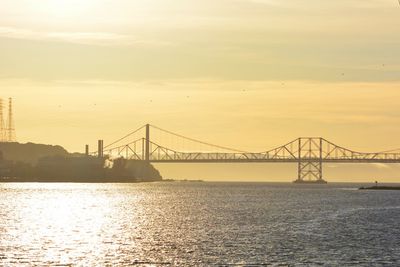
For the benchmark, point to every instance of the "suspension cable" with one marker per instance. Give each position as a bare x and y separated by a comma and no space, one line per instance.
198,141
133,142
122,138
389,151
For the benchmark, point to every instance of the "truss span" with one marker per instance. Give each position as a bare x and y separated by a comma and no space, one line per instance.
301,149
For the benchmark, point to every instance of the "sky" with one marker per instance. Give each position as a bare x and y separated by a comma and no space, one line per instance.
248,74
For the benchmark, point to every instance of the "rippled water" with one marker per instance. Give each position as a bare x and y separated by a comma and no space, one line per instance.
198,224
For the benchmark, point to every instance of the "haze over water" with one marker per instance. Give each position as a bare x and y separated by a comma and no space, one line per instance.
197,224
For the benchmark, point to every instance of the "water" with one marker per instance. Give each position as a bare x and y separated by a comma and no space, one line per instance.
197,224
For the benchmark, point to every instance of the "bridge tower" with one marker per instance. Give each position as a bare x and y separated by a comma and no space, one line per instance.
310,155
147,143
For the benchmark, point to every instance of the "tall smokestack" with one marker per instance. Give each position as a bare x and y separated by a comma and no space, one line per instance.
100,145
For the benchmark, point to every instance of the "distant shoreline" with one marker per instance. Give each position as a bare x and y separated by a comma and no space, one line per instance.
380,188
92,181
183,180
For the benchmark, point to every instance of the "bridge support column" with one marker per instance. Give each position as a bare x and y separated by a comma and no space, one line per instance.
310,161
310,172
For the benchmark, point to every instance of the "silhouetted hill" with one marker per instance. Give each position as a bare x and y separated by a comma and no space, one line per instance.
44,163
30,152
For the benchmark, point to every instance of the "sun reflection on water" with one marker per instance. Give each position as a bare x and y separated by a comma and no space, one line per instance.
58,218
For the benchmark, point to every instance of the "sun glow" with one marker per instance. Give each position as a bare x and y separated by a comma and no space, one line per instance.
65,9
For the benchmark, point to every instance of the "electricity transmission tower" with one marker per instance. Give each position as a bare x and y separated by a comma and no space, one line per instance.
7,129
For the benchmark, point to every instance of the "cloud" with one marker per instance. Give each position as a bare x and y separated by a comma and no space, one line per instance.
90,38
319,4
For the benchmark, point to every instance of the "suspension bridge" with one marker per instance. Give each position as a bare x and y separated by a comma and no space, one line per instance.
309,153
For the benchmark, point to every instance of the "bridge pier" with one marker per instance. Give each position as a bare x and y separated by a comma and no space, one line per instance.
310,161
310,172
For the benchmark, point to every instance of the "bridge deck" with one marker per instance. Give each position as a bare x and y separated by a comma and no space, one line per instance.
275,161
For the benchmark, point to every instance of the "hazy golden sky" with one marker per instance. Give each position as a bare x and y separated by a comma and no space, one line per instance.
249,74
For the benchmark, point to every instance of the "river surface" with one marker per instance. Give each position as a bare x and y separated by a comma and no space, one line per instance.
197,224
